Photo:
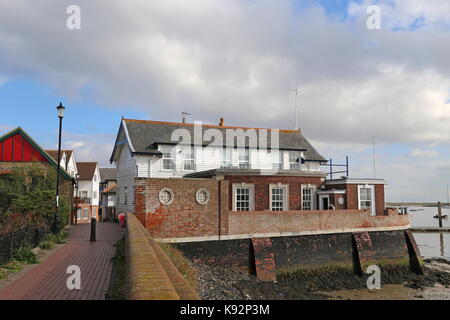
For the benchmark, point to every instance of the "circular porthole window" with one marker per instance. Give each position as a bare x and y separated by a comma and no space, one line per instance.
202,196
166,196
341,200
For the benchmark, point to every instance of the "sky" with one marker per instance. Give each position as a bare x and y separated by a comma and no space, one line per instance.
240,60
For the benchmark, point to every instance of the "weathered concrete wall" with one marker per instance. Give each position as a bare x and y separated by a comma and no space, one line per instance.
308,252
150,273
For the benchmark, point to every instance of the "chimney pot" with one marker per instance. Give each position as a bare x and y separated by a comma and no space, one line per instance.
221,122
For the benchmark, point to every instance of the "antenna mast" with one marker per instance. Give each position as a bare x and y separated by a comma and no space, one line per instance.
297,91
373,151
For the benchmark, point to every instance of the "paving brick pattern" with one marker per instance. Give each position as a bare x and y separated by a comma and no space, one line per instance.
48,280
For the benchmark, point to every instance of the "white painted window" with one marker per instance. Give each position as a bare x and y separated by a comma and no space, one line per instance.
85,213
94,195
226,157
366,198
188,159
279,197
243,196
244,158
168,158
78,214
278,160
94,212
307,198
294,160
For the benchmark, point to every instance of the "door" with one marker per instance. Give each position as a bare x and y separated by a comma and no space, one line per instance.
324,202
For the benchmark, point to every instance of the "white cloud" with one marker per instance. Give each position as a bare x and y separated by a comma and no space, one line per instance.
406,13
424,153
242,60
89,147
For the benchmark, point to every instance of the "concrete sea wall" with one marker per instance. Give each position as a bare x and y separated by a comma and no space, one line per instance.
351,251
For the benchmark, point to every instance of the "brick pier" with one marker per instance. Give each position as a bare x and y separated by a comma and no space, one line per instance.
47,280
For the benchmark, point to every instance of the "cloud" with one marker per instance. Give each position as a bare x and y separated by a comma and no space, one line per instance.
242,60
89,147
404,14
424,153
5,128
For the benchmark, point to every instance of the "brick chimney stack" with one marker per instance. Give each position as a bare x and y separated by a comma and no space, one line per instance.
221,122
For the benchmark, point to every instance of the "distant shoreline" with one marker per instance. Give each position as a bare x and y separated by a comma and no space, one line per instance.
414,204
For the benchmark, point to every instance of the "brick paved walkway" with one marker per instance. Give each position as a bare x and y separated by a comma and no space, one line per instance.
47,280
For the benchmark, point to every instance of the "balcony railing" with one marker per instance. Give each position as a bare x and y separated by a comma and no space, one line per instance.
85,200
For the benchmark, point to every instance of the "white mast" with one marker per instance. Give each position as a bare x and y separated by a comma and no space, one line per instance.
297,91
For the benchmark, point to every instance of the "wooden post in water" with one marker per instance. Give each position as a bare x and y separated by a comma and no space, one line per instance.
439,214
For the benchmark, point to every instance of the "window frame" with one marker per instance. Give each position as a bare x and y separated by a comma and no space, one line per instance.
251,188
285,188
279,164
313,196
371,187
186,160
168,150
226,156
294,165
247,162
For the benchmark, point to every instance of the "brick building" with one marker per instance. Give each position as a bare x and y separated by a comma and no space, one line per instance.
18,149
199,188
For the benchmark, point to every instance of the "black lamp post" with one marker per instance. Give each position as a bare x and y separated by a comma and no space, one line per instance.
60,109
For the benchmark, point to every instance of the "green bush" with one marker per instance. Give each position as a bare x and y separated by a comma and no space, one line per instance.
24,255
59,238
46,245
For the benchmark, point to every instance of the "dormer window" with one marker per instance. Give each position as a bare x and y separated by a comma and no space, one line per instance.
188,159
278,160
294,160
168,159
226,158
244,158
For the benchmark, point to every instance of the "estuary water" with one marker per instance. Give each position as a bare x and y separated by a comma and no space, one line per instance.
431,245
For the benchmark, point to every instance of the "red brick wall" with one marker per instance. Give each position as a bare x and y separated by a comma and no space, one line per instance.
262,189
184,217
305,221
352,197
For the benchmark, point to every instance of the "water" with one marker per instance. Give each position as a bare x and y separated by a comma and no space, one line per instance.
431,245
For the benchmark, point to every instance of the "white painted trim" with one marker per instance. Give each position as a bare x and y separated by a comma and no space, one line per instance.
333,191
279,234
322,196
372,196
356,181
285,196
130,144
313,195
252,194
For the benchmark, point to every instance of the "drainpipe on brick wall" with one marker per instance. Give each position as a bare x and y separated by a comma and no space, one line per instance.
220,206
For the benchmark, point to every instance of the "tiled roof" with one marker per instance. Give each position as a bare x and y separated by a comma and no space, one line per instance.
108,174
86,170
145,135
54,154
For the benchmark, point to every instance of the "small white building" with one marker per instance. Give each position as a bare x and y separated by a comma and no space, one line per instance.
108,186
88,191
